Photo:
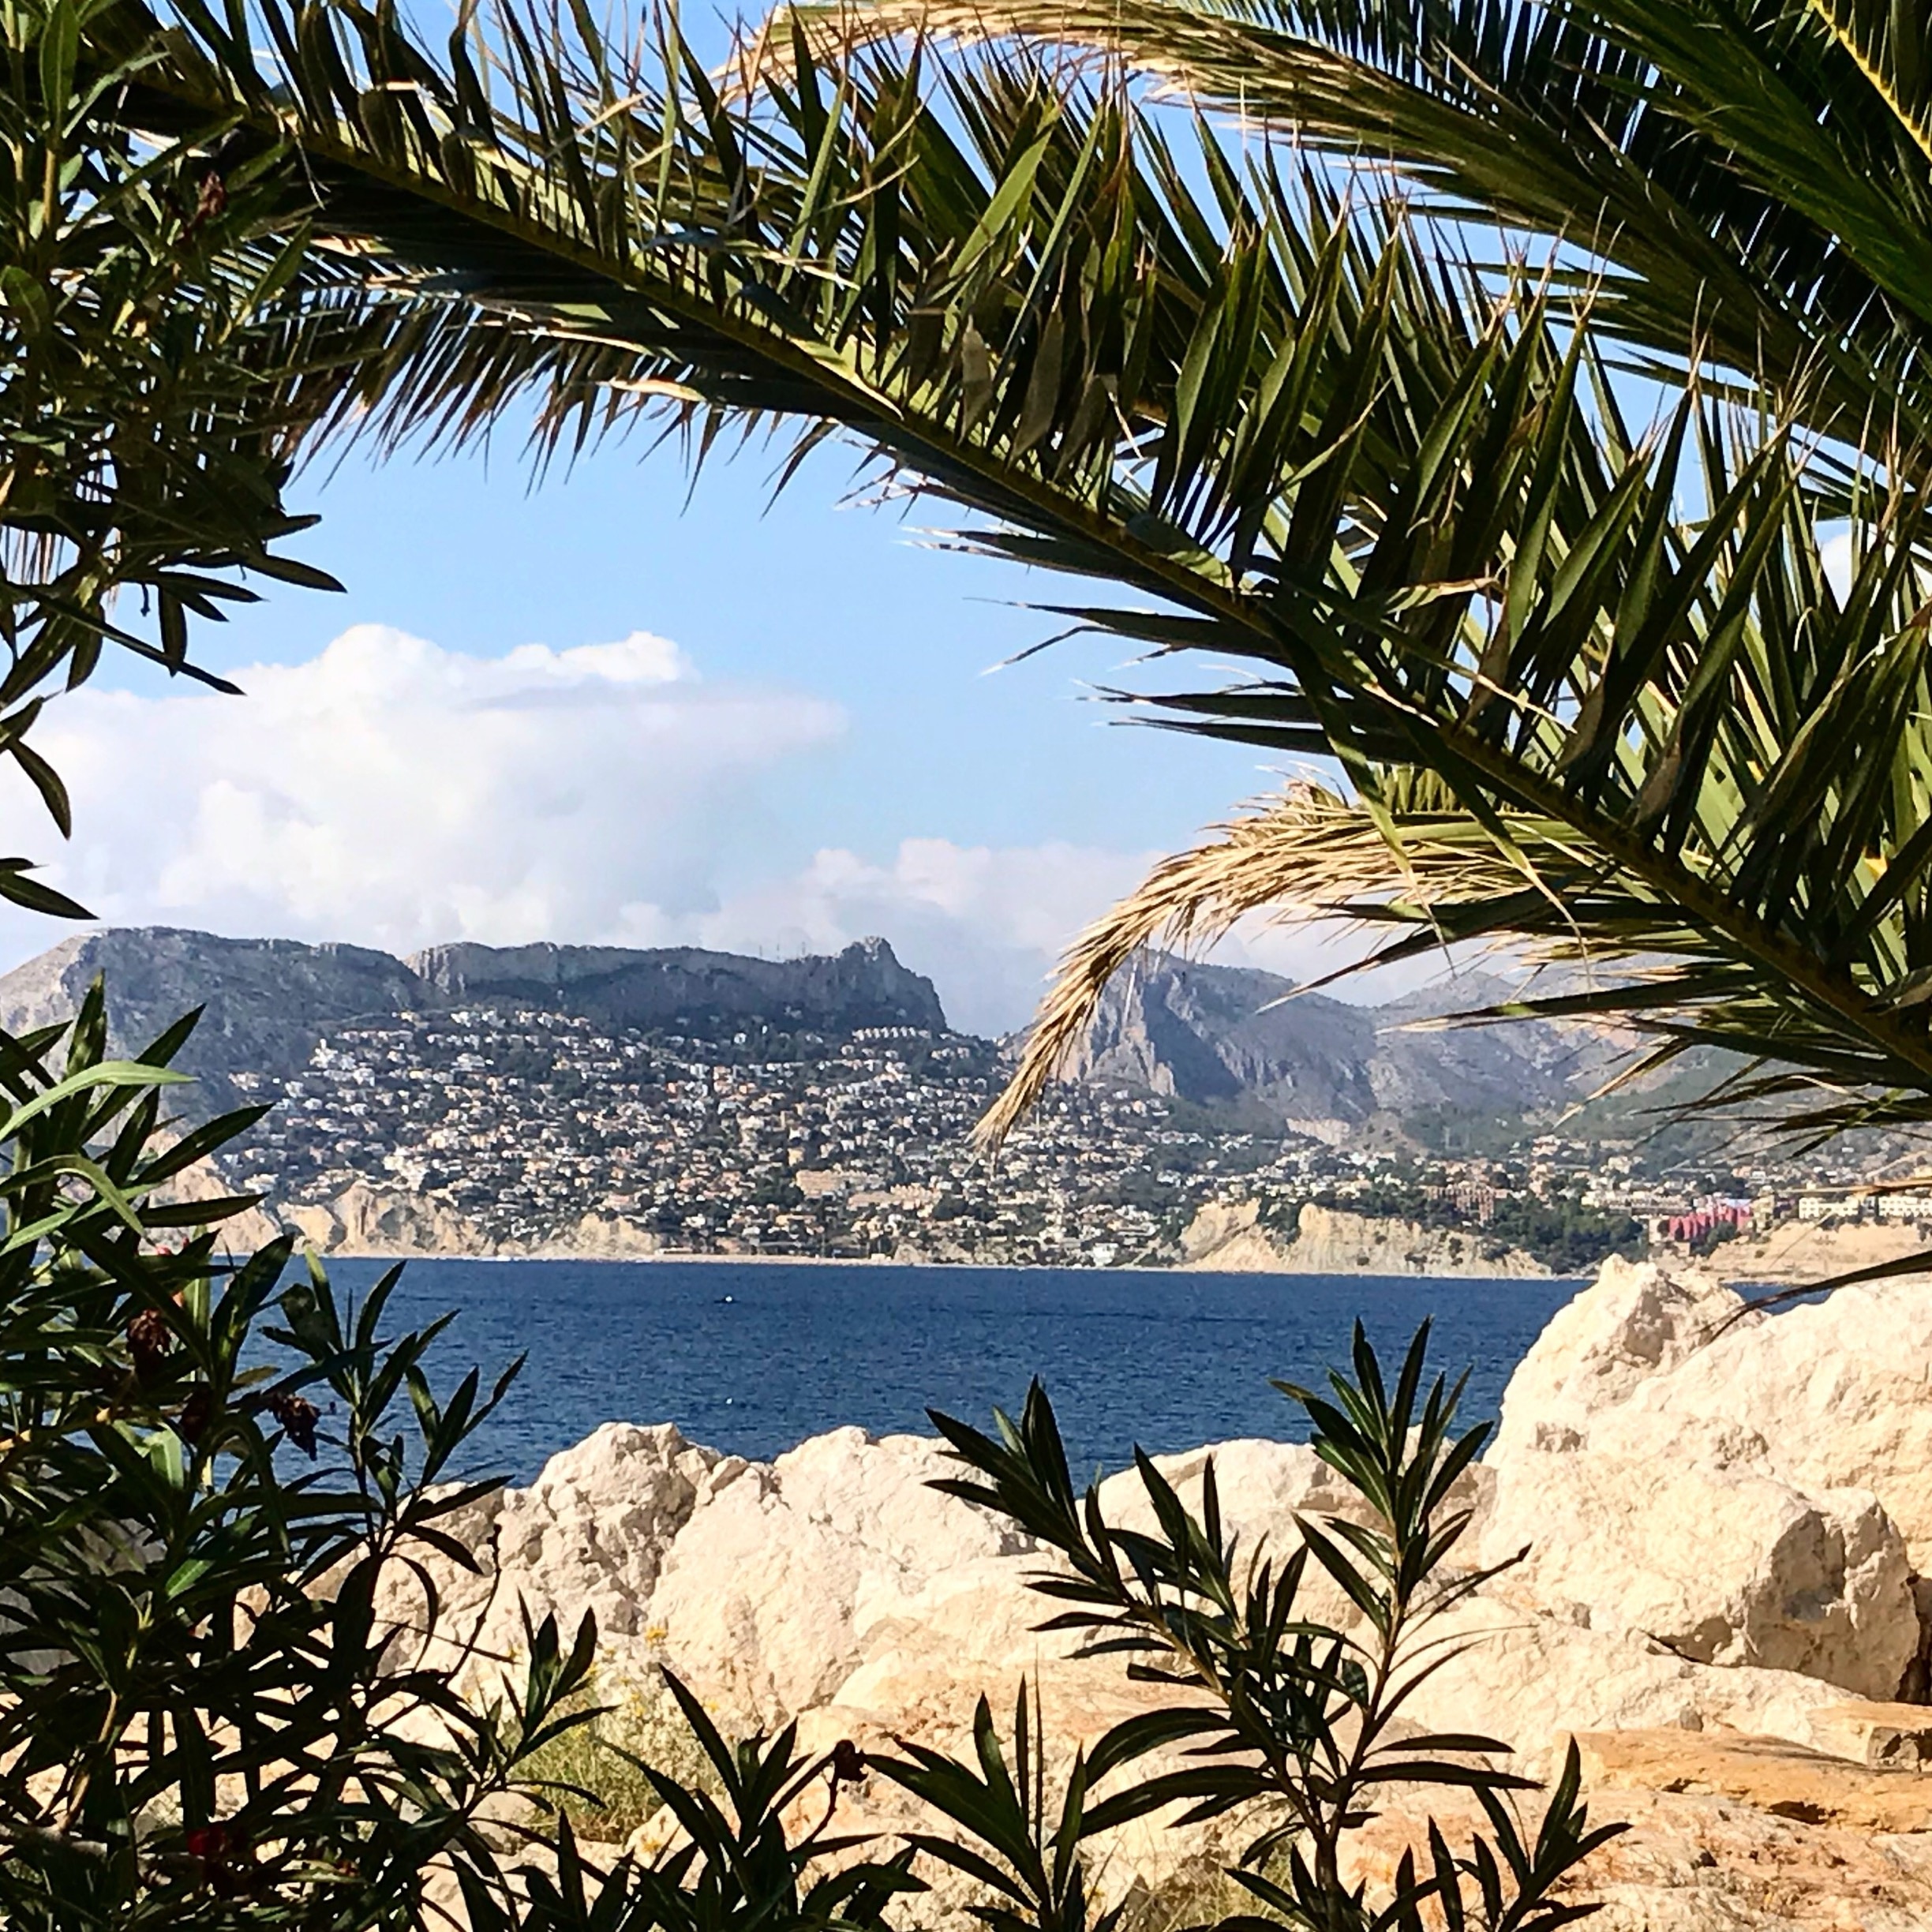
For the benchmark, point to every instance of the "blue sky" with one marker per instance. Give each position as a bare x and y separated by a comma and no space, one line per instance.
838,599
802,741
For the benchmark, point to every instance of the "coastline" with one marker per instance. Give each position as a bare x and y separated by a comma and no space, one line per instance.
687,1257
1223,1239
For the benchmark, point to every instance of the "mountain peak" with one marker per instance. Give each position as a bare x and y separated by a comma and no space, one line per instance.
267,1001
1219,1036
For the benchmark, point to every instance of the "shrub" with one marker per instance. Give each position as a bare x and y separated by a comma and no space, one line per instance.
207,1471
202,1720
597,1773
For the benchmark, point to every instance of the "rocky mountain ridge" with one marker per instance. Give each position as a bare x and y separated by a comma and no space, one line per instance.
1242,1044
863,986
1223,1036
267,1001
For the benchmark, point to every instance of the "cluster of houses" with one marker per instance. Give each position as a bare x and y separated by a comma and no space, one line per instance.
523,1122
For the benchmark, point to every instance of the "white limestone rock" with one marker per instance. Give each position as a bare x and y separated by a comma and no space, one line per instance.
1633,1324
1720,1565
1841,1391
1832,1395
589,1534
771,1593
1674,1465
1531,1678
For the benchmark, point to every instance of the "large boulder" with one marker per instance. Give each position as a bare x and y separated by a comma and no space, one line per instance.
1835,1394
1656,1456
1719,1565
1841,1391
770,1596
589,1534
1633,1324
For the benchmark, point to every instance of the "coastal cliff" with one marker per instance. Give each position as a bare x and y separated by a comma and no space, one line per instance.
385,1226
1223,1238
1726,1519
1226,1238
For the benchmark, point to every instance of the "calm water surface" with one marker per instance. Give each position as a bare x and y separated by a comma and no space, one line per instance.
753,1357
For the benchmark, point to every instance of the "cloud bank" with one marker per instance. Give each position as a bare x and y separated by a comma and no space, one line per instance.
396,793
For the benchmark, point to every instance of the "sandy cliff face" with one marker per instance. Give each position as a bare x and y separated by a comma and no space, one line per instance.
367,1221
1226,1237
363,1220
1723,1522
1797,1252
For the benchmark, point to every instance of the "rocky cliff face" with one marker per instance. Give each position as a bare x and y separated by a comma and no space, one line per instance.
1216,1035
680,987
388,1225
1226,1237
1724,1527
266,1001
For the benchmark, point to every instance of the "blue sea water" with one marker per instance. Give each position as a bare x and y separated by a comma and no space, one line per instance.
752,1358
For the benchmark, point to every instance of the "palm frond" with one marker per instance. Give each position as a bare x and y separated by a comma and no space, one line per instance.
1273,424
1736,179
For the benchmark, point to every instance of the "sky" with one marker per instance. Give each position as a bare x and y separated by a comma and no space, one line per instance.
619,707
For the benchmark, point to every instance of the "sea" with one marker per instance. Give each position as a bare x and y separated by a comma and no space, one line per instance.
753,1358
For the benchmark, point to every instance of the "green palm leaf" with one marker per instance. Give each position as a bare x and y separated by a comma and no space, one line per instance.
1273,424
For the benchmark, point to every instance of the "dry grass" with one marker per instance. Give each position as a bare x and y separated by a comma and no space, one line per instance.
596,1767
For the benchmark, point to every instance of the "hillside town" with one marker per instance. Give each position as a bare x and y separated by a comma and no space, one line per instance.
520,1123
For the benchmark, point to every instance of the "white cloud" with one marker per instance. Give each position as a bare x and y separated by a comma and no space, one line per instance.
394,793
1835,556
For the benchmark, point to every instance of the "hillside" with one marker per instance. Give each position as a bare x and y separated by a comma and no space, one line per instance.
543,1099
270,1002
1229,1038
1235,1041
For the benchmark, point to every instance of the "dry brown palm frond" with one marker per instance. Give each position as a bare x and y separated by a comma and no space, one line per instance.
1310,856
835,31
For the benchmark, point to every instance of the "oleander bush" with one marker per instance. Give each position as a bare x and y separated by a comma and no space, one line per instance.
206,1466
209,1463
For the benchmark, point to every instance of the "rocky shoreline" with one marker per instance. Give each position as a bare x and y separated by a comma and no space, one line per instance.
368,1223
1726,1520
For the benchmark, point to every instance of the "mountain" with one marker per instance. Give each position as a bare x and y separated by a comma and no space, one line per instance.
1242,1044
1224,1036
864,986
268,1001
